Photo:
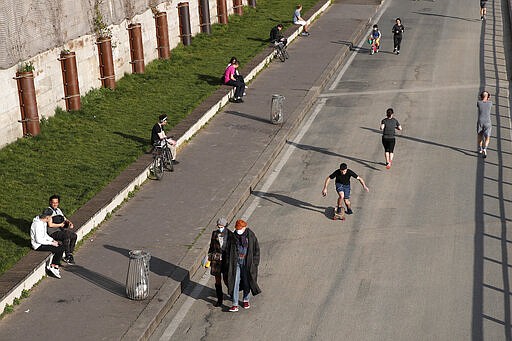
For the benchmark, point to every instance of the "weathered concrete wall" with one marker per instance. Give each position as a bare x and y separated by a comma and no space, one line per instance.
48,76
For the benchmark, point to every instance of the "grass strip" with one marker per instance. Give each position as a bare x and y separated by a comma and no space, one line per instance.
78,153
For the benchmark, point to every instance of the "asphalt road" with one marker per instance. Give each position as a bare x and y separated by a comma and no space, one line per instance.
425,254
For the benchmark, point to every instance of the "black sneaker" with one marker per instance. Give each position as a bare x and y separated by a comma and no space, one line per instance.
349,211
175,162
69,259
338,210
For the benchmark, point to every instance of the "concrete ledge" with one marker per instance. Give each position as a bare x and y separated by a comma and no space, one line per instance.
31,268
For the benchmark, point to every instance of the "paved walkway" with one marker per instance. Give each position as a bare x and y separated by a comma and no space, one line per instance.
167,218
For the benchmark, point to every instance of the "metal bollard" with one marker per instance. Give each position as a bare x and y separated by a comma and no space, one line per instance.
276,109
137,278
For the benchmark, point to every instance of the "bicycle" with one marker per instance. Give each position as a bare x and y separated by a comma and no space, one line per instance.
280,51
162,159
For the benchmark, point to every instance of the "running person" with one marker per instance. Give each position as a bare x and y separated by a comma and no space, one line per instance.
483,9
388,126
484,124
398,30
342,184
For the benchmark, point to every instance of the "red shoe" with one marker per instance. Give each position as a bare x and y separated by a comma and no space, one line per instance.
247,305
388,165
233,309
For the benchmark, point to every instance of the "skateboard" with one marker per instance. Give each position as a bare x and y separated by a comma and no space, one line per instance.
339,216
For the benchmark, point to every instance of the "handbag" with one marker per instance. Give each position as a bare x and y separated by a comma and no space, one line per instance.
215,257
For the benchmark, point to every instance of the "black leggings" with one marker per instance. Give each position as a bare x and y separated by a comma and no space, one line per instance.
397,40
239,87
56,250
67,237
389,144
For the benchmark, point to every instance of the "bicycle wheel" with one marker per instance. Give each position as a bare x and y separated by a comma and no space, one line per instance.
168,164
281,55
157,167
285,53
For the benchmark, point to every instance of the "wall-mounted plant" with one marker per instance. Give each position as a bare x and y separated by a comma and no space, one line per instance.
26,67
65,51
99,25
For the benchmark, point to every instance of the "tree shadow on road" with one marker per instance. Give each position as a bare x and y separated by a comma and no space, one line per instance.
363,162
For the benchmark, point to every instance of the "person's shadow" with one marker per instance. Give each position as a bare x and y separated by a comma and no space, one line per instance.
22,225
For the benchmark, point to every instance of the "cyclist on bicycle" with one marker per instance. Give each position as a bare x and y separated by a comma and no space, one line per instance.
276,37
159,139
374,39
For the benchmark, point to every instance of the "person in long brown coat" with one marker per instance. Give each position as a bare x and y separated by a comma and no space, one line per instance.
217,255
243,262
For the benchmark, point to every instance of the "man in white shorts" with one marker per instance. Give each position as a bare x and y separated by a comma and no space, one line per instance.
298,20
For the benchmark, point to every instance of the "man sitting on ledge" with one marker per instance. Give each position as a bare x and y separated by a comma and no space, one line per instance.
41,241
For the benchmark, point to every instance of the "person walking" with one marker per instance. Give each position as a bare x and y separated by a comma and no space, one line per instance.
243,262
484,124
342,185
398,30
483,9
388,126
218,257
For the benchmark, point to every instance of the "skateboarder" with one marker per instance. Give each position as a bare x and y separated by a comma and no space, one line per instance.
342,184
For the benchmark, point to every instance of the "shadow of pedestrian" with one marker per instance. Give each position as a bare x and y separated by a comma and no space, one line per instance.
98,279
280,198
363,162
464,151
163,268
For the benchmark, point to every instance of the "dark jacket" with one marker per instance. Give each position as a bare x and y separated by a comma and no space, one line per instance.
218,267
252,262
275,34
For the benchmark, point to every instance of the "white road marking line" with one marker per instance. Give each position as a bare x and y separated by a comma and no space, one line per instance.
349,61
182,312
392,91
180,316
275,173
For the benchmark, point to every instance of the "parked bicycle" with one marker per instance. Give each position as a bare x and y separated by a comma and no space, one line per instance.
162,160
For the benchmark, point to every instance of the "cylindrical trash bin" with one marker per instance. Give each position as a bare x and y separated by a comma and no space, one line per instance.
137,278
276,109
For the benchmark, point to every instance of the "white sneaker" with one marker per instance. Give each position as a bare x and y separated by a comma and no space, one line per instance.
54,271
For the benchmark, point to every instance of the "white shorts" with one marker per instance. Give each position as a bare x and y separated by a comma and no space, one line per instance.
300,22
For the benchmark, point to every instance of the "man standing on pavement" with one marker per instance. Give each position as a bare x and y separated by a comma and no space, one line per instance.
243,262
158,137
484,124
342,184
388,126
60,228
